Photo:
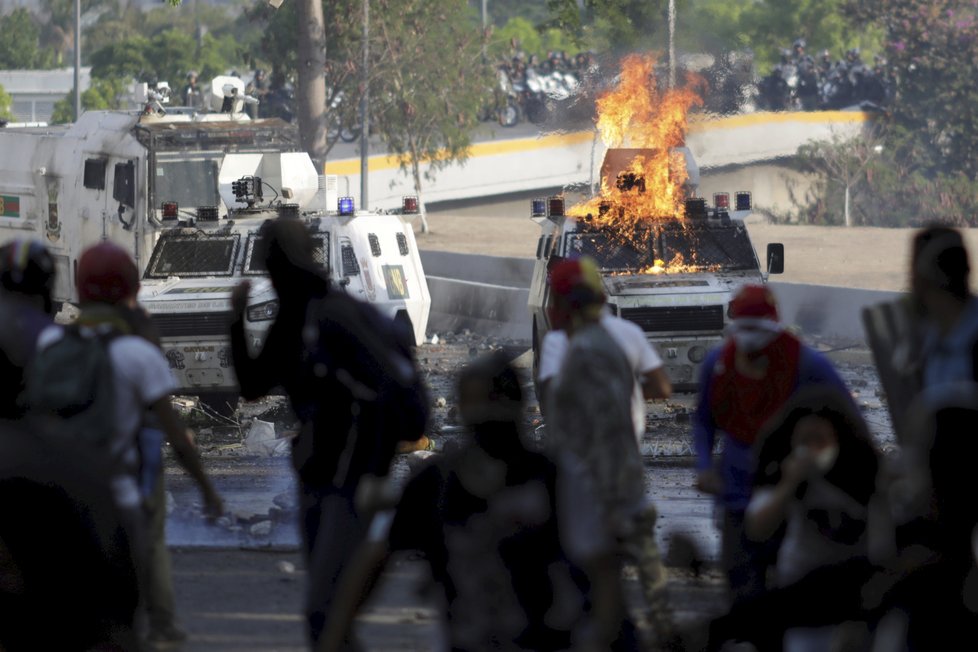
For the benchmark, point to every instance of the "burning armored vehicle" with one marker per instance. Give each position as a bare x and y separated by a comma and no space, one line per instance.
670,262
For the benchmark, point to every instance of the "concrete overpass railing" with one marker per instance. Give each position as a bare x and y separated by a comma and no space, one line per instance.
508,165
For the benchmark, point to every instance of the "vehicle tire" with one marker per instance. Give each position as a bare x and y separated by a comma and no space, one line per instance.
223,404
349,134
509,115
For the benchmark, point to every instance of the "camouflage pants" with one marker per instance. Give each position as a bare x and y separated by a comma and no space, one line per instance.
640,548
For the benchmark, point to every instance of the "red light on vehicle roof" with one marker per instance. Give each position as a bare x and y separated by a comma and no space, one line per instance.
721,200
170,210
409,205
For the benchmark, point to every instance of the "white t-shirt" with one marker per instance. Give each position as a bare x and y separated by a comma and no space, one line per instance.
640,353
142,377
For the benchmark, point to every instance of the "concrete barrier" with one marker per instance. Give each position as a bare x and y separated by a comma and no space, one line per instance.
488,295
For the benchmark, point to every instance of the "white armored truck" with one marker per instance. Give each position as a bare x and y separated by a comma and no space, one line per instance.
673,277
185,193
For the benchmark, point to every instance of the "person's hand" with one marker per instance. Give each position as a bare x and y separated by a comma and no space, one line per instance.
798,466
239,297
709,482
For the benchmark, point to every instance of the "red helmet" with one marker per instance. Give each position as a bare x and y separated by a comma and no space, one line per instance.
754,301
106,274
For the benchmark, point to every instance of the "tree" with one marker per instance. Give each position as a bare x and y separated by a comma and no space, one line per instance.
425,100
844,162
342,66
311,98
768,26
101,95
931,46
19,35
6,105
167,56
608,24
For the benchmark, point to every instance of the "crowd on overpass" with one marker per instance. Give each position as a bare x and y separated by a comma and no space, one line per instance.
527,545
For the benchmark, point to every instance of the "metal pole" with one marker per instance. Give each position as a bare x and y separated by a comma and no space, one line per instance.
672,43
77,59
364,126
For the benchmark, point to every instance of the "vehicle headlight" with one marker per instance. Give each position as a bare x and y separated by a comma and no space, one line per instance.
263,311
696,354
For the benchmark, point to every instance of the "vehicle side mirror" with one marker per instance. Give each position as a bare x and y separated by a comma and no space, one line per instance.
775,258
124,184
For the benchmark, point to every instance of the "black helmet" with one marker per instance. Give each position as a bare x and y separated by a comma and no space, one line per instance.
27,267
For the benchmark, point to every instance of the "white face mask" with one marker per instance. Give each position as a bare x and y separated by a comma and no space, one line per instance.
826,458
752,341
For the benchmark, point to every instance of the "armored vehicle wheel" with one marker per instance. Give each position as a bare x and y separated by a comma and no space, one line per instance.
223,404
509,115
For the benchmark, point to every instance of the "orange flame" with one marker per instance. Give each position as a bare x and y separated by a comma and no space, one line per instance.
639,114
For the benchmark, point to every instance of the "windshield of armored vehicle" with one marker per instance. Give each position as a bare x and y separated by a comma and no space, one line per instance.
255,262
726,248
188,182
676,248
193,255
612,253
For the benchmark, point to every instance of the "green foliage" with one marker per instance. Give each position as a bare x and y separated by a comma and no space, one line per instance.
609,24
101,95
6,104
430,82
19,41
932,47
529,39
767,26
167,56
886,189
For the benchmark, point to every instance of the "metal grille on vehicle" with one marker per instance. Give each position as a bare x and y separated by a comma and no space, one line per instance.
192,324
402,245
676,318
349,260
374,244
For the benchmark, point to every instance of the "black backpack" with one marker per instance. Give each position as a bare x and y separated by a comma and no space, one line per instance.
70,386
400,393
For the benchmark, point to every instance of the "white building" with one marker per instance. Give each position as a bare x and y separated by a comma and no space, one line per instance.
35,92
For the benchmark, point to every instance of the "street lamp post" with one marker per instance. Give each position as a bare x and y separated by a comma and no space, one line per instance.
77,59
672,43
364,126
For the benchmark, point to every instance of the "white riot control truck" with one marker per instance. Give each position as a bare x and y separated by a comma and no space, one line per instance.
185,193
673,277
113,175
199,259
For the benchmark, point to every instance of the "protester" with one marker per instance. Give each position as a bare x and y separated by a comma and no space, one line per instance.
352,380
26,281
650,375
590,416
744,383
816,477
513,538
940,289
928,592
67,579
139,381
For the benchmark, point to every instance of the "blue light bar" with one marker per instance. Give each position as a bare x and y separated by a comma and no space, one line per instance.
346,206
743,201
538,208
